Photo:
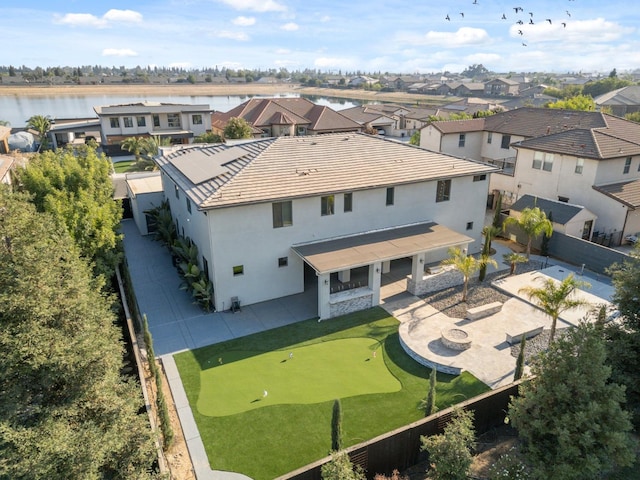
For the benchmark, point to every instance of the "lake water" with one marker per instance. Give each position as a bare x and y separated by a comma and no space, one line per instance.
17,110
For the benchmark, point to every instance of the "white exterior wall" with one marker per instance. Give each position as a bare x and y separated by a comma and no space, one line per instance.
633,223
186,123
494,149
611,171
140,203
430,138
575,226
244,235
472,145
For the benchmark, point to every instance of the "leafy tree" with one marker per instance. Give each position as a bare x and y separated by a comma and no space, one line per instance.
489,232
450,453
555,297
513,259
517,375
208,137
65,411
415,138
74,186
341,468
570,414
237,128
579,102
42,125
533,222
605,85
336,426
633,117
467,265
475,71
544,246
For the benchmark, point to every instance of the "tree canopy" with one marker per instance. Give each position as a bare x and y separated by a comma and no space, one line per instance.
570,414
74,186
578,102
65,412
42,125
533,222
237,128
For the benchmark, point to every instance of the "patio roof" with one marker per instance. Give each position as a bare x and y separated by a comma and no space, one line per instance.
378,246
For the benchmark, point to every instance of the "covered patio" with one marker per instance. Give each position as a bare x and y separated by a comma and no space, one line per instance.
368,256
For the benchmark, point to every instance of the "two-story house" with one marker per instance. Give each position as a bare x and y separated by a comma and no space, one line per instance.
286,117
272,217
178,122
501,86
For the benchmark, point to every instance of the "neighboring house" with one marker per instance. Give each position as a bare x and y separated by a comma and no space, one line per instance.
5,132
362,80
404,81
501,86
273,217
470,89
370,118
178,122
621,101
73,131
574,220
286,117
586,158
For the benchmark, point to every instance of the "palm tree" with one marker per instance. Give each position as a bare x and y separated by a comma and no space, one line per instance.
467,265
533,222
513,259
133,145
42,125
554,298
489,232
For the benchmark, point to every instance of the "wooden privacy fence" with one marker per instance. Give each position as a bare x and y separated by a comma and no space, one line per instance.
400,448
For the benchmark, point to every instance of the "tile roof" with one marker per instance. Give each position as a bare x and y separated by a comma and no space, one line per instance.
362,114
561,212
263,112
622,96
460,126
281,168
627,193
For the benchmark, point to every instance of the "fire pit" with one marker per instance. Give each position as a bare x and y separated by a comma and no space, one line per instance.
455,339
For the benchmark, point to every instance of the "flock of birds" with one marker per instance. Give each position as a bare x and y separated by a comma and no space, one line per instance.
520,21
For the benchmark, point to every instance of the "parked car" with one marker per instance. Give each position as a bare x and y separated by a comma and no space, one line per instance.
633,238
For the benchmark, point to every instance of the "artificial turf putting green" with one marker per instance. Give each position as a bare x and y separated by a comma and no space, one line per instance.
270,441
313,374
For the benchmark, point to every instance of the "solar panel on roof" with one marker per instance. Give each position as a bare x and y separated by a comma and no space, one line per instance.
200,166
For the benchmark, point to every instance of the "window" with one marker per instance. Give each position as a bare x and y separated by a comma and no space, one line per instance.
188,205
173,120
579,165
479,178
196,119
283,262
542,161
443,193
156,120
537,160
489,137
115,122
469,225
327,204
141,121
238,270
563,199
461,139
506,140
128,122
177,191
547,164
627,165
282,214
205,267
390,195
348,202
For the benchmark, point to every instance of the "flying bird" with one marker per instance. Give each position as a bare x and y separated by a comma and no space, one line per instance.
447,17
568,13
524,44
520,32
517,9
564,24
531,14
504,17
531,21
519,22
549,20
475,2
462,14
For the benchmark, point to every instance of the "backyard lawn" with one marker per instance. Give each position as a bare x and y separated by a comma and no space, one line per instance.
303,368
124,167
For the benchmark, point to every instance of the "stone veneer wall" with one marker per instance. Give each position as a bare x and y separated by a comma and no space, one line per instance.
447,278
350,301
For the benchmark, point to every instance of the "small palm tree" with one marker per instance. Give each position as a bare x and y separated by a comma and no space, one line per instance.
533,222
554,298
513,259
42,125
467,265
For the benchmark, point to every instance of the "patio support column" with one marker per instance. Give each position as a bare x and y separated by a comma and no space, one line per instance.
374,282
324,292
417,266
386,266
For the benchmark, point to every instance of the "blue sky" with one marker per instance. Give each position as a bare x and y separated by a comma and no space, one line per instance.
329,35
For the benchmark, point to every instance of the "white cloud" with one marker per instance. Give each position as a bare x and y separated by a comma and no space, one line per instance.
482,58
119,52
462,37
126,16
244,21
325,19
79,20
240,36
89,20
283,51
256,5
290,27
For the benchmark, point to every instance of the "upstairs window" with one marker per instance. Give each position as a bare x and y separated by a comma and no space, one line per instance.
128,122
173,120
627,165
489,137
390,196
506,141
579,165
461,140
188,205
327,204
196,119
542,161
115,122
141,121
479,178
156,120
547,163
282,214
443,193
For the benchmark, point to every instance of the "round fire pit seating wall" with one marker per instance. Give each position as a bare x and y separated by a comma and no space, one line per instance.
455,339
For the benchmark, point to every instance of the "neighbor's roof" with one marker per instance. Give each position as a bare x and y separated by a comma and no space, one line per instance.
629,95
263,112
561,212
378,246
139,184
627,193
150,107
280,168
